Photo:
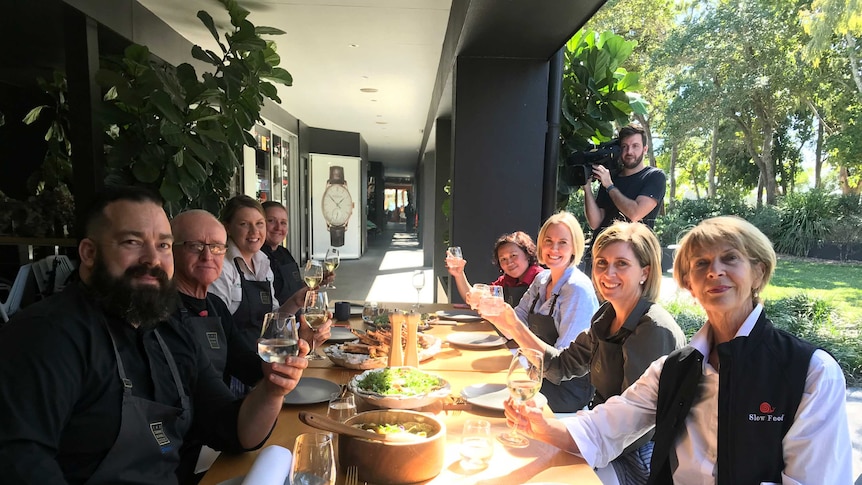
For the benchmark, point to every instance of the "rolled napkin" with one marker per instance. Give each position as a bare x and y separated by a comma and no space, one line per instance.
271,467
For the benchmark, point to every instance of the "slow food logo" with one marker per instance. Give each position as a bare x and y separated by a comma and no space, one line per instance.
766,414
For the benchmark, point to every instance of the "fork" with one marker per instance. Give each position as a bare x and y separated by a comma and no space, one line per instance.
352,475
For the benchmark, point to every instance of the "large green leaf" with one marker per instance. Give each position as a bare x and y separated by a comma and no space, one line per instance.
207,56
146,170
263,30
279,75
207,20
163,102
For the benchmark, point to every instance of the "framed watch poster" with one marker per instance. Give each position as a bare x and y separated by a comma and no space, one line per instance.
335,207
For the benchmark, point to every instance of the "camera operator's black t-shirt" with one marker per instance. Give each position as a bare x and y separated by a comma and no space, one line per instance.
650,181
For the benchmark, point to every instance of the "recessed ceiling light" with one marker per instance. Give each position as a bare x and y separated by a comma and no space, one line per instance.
380,116
382,122
368,90
364,77
353,45
373,100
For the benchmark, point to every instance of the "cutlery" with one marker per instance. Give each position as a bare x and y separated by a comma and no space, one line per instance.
352,475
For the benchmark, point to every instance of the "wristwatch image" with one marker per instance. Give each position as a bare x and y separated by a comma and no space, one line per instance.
337,205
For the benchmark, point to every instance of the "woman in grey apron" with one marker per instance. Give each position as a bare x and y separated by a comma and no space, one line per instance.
147,447
287,278
514,256
627,333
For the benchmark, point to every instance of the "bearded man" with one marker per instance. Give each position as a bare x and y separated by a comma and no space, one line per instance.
99,385
635,194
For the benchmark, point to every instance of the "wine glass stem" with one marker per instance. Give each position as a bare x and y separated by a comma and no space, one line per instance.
514,434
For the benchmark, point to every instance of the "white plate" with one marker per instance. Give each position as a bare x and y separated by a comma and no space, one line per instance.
459,315
341,335
473,340
492,396
312,390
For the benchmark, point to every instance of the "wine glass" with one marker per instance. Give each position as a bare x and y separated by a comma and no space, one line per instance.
330,263
476,444
342,407
313,460
524,381
418,283
313,273
315,309
278,337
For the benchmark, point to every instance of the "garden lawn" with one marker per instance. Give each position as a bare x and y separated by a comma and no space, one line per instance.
835,282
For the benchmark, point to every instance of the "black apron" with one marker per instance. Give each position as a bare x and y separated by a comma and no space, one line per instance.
513,294
151,433
209,333
288,273
567,396
248,317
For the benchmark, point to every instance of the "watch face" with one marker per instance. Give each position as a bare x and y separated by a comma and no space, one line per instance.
337,205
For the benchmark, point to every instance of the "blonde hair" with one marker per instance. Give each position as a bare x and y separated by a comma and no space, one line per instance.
570,222
644,244
739,234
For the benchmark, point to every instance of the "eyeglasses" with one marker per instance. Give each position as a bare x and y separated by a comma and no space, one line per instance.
217,249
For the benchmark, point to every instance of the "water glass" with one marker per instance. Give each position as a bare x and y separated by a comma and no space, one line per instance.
455,252
370,312
313,460
477,446
278,337
492,302
475,295
342,407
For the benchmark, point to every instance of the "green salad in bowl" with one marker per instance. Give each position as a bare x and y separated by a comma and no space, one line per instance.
399,387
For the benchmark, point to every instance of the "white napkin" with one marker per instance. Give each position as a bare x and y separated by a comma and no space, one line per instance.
271,467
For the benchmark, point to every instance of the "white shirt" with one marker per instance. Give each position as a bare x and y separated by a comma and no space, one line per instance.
228,286
574,308
816,447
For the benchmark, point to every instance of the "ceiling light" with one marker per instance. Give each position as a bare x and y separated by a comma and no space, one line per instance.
373,100
382,122
368,90
353,45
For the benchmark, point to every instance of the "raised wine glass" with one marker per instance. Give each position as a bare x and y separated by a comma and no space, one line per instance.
524,381
330,264
315,311
418,283
313,273
278,337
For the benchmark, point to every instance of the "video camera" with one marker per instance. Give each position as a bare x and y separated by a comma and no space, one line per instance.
578,168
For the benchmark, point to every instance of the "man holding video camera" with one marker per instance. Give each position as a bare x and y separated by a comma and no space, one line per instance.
633,194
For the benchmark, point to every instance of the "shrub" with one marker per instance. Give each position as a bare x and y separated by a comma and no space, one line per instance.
768,219
688,213
805,221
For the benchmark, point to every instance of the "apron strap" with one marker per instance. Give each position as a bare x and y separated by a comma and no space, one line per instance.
184,399
553,303
127,383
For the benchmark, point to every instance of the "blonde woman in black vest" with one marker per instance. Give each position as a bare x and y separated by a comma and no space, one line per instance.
743,403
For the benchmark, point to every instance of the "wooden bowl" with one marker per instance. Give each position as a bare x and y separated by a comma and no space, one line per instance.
389,463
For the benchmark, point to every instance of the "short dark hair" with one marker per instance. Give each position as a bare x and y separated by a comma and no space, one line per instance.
237,203
520,239
629,130
95,219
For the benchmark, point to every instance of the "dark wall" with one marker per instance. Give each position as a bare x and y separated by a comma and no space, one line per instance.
442,159
499,127
333,142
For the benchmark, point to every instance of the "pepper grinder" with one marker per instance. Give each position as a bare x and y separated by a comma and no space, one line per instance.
396,350
411,354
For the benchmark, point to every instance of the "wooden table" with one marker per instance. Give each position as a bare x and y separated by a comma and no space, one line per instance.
538,462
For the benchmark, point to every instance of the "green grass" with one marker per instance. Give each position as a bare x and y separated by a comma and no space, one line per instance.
838,283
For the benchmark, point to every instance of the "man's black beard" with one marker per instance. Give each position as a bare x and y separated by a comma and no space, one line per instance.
144,305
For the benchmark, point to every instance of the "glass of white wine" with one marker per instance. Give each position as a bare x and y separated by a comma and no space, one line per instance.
330,264
313,460
524,381
418,283
278,337
315,311
313,273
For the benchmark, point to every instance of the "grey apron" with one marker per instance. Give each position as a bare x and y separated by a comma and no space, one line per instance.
291,280
209,333
151,433
248,317
567,396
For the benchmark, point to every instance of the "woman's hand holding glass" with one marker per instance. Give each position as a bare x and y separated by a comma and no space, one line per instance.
455,262
523,381
492,302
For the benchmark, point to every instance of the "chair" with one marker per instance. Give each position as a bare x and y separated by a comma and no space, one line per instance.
51,274
16,292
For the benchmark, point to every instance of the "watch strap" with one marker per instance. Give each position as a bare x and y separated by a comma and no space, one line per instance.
336,235
336,175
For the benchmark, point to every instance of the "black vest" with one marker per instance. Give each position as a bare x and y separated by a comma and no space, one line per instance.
761,380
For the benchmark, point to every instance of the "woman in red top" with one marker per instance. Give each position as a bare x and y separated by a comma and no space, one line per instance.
515,255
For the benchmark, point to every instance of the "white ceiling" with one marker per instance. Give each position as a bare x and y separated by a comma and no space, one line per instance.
397,51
